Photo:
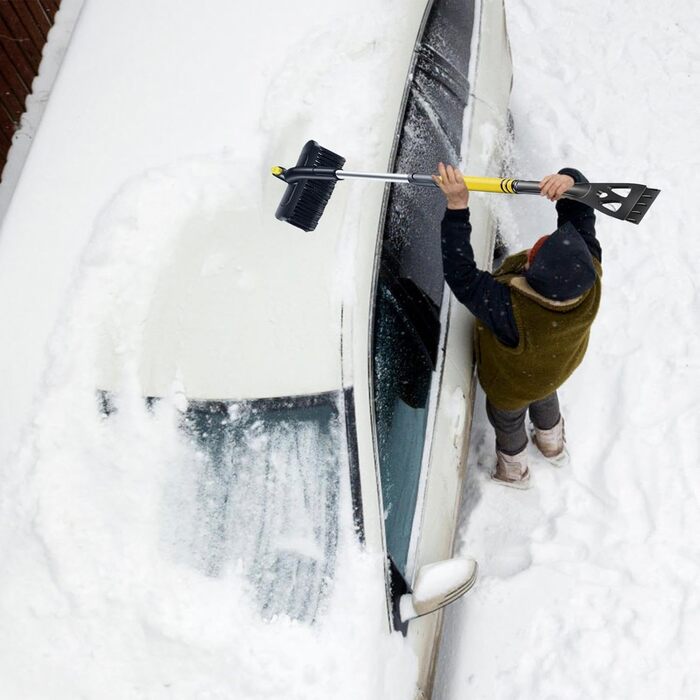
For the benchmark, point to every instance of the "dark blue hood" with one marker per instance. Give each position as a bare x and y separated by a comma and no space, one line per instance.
563,266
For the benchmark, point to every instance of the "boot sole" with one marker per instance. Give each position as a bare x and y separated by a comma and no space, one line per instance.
561,460
522,485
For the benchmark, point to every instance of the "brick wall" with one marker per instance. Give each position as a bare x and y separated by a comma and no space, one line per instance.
24,25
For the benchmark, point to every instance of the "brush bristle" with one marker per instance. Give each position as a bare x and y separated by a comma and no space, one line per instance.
305,201
311,203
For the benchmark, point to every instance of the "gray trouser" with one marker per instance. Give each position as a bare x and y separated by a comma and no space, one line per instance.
511,437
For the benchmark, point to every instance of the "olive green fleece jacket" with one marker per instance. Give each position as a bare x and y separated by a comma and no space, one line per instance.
553,338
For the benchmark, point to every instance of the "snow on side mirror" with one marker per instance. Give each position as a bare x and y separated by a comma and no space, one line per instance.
438,585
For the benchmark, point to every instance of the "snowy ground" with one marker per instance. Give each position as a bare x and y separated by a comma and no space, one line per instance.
589,585
589,581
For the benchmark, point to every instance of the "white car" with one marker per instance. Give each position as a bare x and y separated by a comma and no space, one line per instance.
311,366
299,385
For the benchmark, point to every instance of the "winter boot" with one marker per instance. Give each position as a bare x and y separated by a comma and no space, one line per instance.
512,470
552,444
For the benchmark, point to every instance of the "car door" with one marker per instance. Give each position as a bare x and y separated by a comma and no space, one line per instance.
409,315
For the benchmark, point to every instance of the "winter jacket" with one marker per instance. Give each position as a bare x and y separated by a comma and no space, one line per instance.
528,344
553,338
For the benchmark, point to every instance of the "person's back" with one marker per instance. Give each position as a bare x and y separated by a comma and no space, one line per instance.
533,318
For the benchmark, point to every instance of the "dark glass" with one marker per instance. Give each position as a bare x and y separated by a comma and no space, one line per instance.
402,371
268,496
431,132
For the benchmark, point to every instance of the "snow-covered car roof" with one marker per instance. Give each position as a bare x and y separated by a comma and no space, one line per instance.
243,307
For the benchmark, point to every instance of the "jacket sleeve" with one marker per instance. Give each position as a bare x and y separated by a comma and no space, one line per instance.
580,215
486,298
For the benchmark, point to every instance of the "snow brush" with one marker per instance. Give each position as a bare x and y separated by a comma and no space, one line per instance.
311,181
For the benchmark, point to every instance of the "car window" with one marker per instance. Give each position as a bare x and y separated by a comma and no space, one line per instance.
431,132
269,496
410,286
267,476
402,373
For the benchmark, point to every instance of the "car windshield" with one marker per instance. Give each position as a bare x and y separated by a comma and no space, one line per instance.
267,477
269,495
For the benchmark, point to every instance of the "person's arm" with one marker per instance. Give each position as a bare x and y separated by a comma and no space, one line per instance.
569,210
487,299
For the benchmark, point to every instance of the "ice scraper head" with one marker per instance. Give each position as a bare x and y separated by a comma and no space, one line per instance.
310,184
621,200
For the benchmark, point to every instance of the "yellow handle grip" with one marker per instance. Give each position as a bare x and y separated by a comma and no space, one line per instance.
490,184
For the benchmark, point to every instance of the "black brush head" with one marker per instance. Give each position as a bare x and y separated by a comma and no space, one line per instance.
304,201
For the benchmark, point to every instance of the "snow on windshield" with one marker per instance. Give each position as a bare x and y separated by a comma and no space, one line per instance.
267,480
259,491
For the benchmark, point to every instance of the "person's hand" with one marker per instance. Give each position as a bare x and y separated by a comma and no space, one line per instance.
553,186
451,182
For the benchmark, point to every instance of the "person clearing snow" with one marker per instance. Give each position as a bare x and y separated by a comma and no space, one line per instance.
534,315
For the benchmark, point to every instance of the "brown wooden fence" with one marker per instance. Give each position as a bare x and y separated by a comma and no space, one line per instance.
24,25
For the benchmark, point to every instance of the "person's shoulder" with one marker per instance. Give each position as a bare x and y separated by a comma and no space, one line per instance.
577,175
513,264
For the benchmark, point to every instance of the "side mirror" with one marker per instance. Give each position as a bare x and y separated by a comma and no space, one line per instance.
438,585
